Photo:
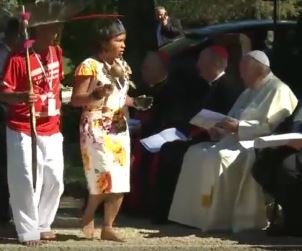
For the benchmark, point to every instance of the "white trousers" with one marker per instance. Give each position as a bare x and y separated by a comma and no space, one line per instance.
34,211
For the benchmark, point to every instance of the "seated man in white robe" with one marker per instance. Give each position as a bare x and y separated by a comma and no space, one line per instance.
215,190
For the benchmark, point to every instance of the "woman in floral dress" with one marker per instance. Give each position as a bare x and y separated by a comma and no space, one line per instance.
101,86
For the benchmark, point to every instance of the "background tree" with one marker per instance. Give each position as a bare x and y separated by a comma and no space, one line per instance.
141,32
198,12
138,17
7,9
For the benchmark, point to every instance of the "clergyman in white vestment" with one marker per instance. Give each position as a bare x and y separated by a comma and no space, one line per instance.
215,190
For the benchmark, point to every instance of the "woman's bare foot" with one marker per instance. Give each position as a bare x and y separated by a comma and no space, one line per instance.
88,215
88,228
33,243
109,235
48,236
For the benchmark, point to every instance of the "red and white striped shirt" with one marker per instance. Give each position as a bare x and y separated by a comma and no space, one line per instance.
15,79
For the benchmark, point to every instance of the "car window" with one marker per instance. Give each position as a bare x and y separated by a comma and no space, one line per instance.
283,46
270,37
258,38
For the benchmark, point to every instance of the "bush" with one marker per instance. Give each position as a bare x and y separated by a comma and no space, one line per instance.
198,12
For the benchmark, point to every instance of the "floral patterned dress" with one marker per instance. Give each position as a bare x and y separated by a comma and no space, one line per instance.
104,135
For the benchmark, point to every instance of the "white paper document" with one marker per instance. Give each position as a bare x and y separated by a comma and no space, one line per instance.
247,143
276,140
207,119
154,142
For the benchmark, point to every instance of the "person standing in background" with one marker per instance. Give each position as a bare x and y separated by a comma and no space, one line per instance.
9,43
168,28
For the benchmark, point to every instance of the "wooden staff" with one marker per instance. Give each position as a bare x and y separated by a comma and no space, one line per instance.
33,130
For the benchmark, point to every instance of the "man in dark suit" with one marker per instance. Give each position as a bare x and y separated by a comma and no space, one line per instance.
279,171
167,27
219,96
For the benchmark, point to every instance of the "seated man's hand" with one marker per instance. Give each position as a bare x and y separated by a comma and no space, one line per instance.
215,133
295,144
143,102
229,124
196,131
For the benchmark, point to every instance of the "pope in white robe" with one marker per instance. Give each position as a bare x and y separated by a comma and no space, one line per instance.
215,190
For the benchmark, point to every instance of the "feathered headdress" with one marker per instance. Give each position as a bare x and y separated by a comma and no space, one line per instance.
43,12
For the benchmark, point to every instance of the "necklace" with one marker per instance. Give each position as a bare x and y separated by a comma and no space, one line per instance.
114,73
45,69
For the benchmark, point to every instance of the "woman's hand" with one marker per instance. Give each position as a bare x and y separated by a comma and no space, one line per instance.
229,124
103,91
143,102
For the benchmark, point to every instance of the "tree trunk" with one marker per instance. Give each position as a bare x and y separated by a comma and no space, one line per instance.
141,32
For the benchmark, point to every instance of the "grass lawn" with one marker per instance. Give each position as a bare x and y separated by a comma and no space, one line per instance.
74,178
68,68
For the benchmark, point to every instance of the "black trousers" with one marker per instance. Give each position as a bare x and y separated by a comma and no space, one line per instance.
171,157
4,194
279,172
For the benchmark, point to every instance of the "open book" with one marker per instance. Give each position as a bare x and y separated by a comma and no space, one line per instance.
154,142
207,119
276,140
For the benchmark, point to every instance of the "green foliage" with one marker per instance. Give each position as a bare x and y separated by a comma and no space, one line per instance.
196,12
78,35
8,4
7,9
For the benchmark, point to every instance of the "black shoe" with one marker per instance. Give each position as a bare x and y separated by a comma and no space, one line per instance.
4,220
277,231
159,220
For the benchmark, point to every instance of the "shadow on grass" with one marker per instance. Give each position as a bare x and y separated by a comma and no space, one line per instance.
8,235
60,238
257,239
169,230
69,237
9,241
